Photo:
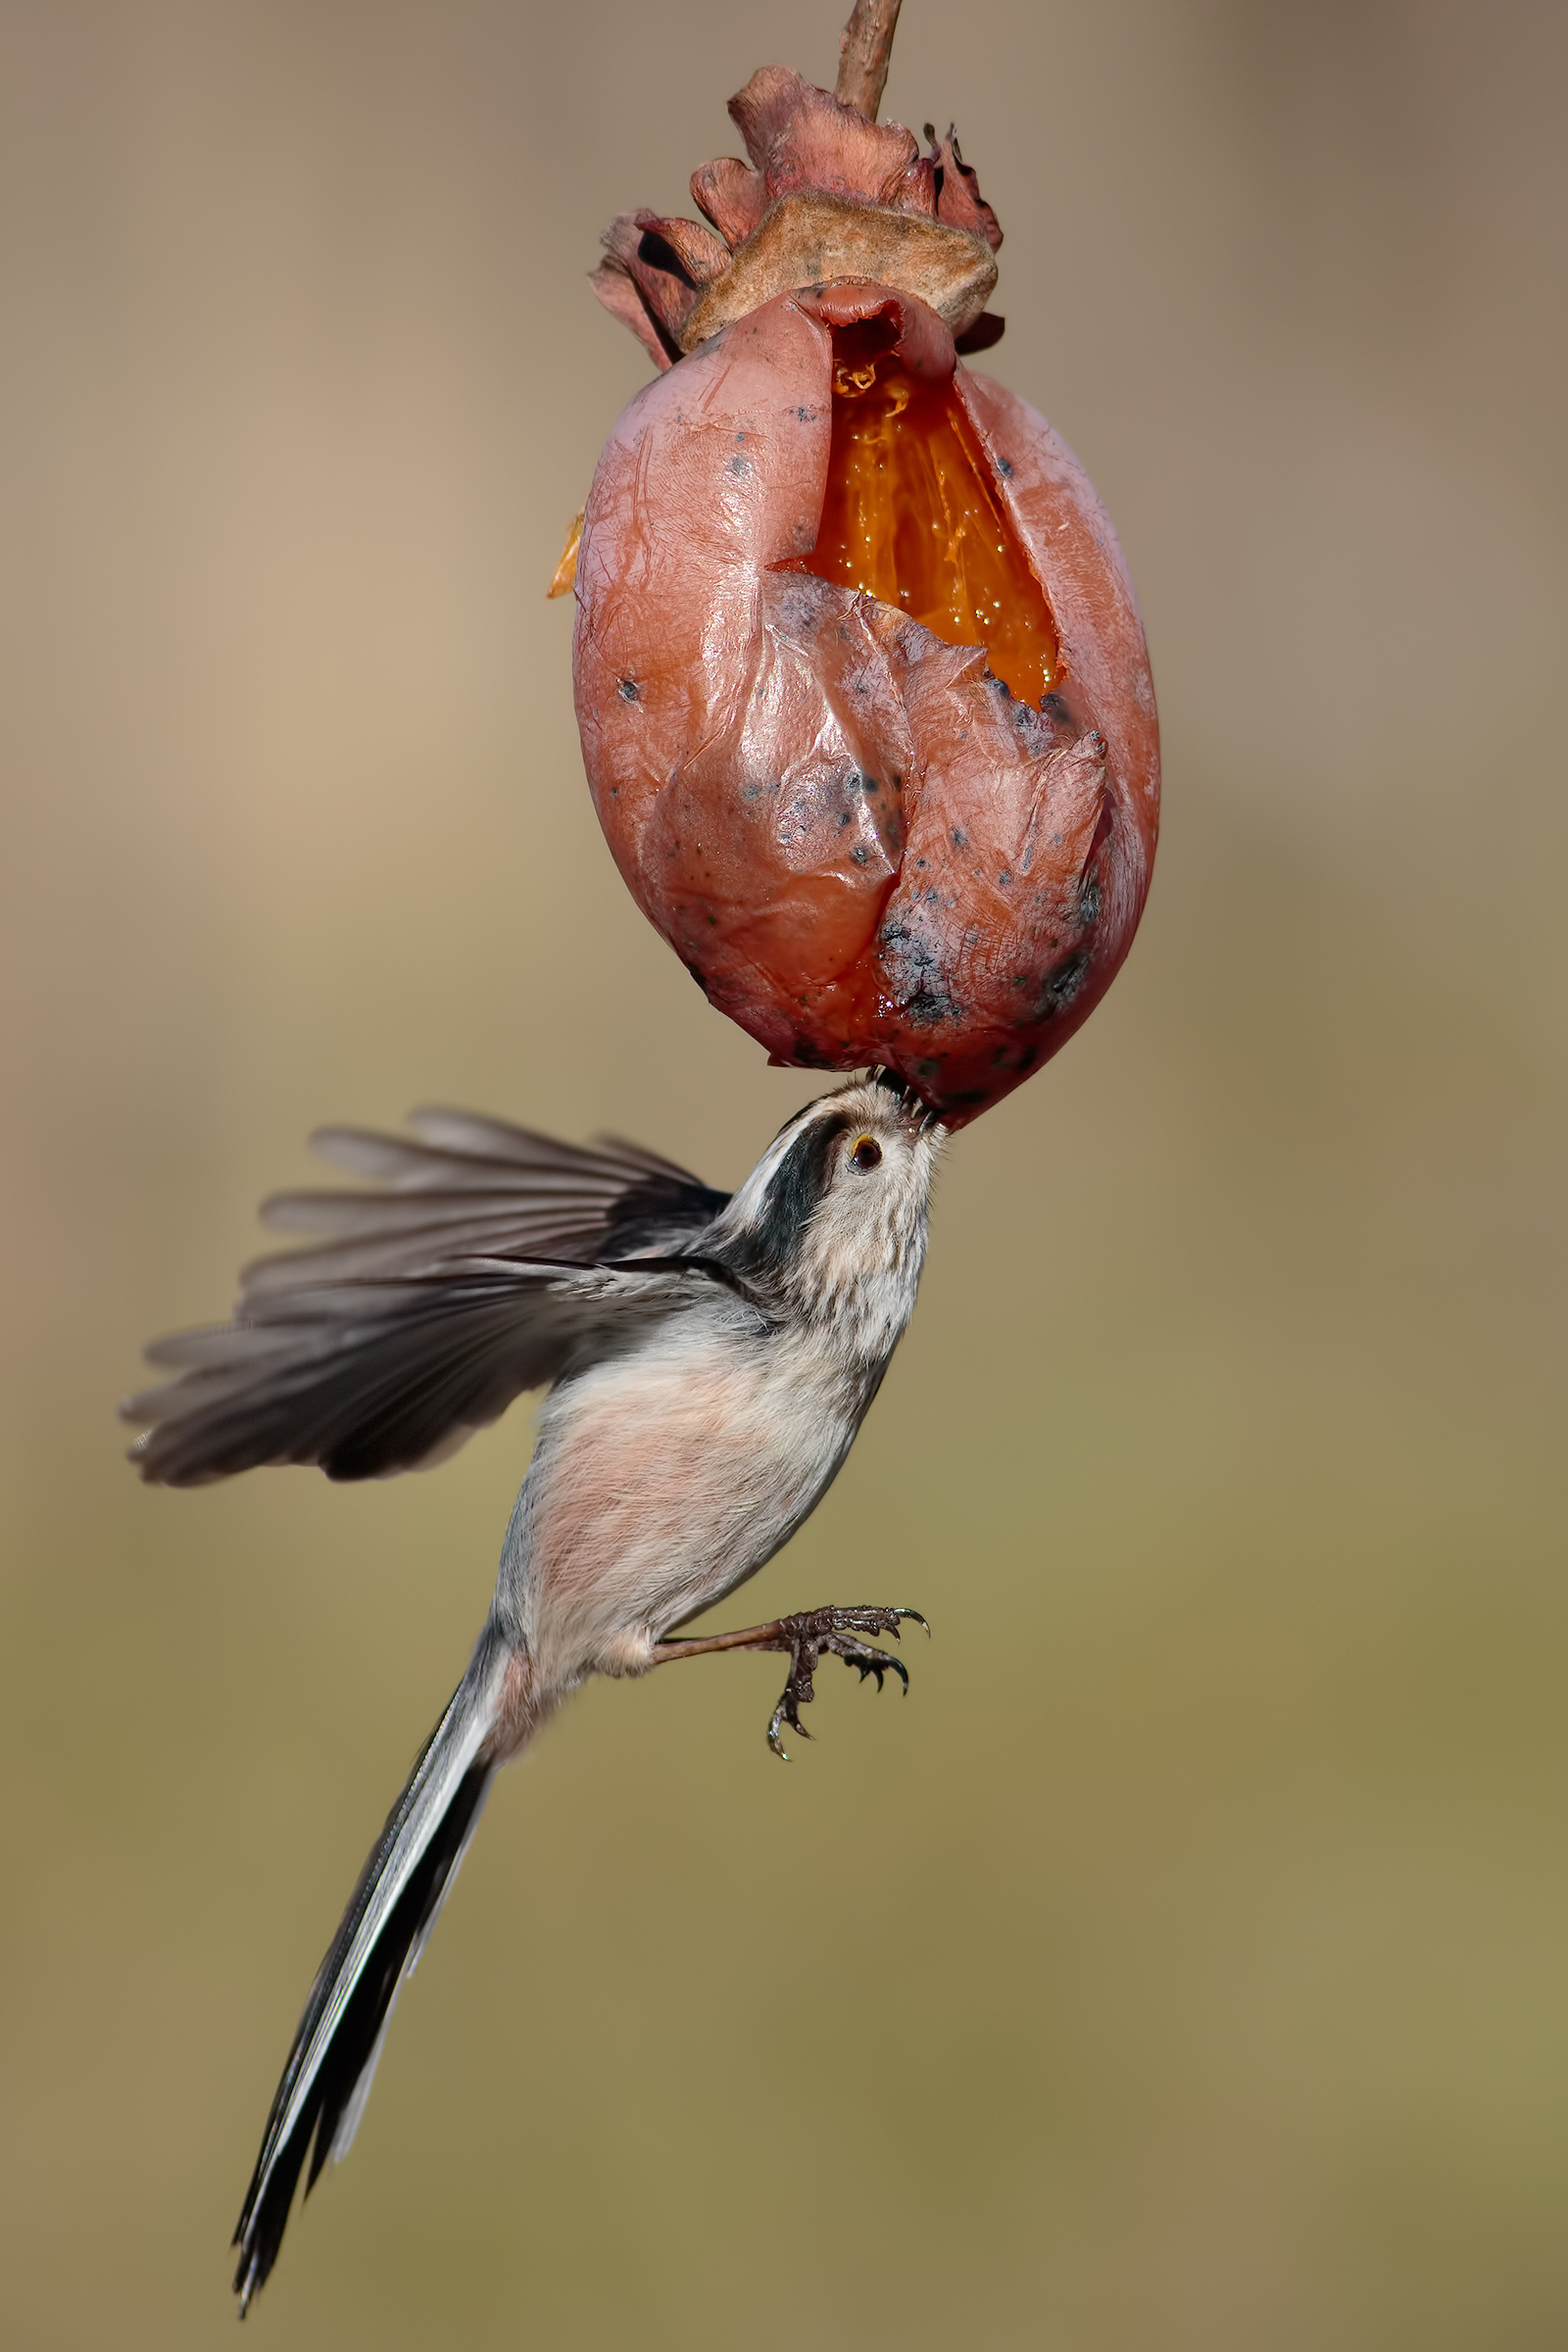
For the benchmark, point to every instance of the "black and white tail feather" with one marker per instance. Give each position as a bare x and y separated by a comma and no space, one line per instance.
328,2079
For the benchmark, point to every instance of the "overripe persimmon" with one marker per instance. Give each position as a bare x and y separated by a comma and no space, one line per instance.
863,690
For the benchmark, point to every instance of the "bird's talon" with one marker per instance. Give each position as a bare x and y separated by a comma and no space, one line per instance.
784,1713
814,1634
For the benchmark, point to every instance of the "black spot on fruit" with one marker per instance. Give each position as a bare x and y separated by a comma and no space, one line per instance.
809,1055
1062,983
917,977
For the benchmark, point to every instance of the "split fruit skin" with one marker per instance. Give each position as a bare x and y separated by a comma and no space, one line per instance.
862,844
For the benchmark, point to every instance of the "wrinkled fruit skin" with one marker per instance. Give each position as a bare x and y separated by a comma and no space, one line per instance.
863,691
863,849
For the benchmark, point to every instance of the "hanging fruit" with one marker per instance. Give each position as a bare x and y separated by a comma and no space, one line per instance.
863,695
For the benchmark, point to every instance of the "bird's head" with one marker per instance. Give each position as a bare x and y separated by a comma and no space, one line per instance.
832,1220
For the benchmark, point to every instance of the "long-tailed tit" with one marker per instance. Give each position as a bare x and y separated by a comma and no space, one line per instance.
709,1362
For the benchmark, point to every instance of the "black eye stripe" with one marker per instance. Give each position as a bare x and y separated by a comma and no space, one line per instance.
797,1187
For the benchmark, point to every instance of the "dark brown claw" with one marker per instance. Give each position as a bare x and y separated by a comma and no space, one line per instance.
815,1633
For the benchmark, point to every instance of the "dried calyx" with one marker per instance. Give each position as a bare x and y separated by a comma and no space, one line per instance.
826,195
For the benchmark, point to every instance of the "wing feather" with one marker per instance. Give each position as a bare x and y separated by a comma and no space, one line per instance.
367,1379
480,1272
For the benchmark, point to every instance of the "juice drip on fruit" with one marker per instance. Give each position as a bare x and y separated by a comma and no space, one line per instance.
912,517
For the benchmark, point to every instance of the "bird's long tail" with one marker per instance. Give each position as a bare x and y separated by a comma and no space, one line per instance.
400,1888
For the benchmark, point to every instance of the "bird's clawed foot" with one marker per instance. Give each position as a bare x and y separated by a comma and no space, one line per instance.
816,1632
810,1635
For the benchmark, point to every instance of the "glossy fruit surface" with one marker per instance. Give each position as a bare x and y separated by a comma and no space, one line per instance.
863,690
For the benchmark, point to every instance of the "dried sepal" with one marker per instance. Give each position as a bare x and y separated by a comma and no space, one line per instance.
957,191
825,195
810,238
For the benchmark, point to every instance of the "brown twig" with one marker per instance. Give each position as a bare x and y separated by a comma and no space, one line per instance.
863,48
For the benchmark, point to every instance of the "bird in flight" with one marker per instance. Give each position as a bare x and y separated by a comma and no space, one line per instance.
709,1358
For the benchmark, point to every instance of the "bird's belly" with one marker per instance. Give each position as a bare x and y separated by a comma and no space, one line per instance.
660,1487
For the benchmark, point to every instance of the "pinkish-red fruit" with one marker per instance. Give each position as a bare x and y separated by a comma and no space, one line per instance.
863,695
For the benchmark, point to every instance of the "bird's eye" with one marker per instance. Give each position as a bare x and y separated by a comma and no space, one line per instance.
866,1154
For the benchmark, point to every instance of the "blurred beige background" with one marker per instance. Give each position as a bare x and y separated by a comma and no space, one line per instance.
1182,1966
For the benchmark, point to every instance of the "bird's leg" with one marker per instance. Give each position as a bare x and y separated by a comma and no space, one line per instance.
807,1636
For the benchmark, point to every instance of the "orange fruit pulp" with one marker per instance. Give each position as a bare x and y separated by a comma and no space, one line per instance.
913,517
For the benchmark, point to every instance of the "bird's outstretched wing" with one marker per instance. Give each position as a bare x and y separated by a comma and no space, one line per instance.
491,1259
478,1187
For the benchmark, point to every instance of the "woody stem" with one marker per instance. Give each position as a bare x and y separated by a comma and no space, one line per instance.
864,46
